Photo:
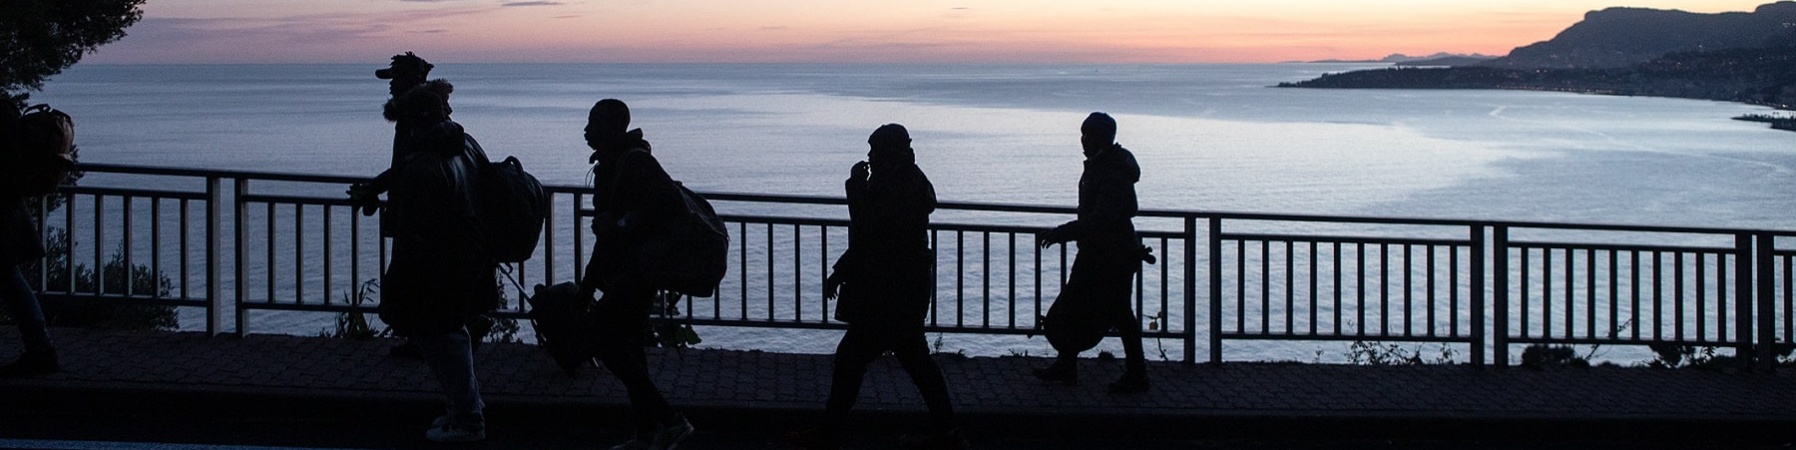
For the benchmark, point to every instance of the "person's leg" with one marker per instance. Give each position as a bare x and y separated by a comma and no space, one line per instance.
1118,312
912,350
21,303
622,325
451,359
859,347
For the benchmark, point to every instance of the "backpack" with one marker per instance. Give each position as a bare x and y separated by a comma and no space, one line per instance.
692,255
564,324
509,204
44,150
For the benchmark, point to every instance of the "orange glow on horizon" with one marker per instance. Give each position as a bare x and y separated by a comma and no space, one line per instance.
1144,31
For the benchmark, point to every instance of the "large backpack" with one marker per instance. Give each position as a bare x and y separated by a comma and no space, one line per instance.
44,152
692,255
510,205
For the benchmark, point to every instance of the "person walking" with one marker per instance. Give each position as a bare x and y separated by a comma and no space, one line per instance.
30,173
882,284
1097,291
439,276
633,198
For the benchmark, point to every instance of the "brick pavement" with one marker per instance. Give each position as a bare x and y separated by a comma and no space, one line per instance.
1200,398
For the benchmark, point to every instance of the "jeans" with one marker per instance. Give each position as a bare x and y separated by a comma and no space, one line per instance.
864,343
21,304
451,357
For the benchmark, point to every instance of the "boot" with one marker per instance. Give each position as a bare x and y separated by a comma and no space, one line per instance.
1064,370
31,364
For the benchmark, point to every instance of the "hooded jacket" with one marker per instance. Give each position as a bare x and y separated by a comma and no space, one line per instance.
633,196
1107,204
886,271
438,275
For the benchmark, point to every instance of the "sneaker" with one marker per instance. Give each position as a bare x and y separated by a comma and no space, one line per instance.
455,433
1130,383
31,364
669,437
953,440
820,438
632,444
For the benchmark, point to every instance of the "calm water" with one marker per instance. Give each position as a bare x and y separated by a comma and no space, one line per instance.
1209,137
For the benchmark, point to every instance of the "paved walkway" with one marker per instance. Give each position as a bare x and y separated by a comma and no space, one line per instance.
746,388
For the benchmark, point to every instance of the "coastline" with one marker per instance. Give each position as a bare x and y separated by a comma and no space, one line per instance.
1737,86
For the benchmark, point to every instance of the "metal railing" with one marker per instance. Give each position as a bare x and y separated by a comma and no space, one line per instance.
287,242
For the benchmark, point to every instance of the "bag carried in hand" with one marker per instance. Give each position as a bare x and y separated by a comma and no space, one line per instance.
510,205
45,152
692,255
564,326
1074,325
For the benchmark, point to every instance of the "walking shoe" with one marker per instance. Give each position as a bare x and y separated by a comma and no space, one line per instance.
1130,383
669,437
632,444
455,433
1067,374
952,440
820,438
31,364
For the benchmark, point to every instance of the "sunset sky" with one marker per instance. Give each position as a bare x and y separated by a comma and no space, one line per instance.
1024,31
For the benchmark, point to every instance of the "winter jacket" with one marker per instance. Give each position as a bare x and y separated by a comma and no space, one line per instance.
1107,204
438,274
19,240
633,197
886,271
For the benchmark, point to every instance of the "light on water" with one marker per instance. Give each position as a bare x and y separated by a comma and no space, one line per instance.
1209,137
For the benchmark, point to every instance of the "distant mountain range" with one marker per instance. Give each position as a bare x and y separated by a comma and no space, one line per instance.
1741,57
1622,37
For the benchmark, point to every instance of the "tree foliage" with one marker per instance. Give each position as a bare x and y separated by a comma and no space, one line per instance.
40,38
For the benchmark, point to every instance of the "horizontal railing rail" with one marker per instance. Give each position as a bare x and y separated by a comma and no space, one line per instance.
238,242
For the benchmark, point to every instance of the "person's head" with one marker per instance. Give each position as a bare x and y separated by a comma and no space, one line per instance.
608,119
889,147
1097,134
406,72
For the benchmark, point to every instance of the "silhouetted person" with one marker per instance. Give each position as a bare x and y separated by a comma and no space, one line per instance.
884,281
633,197
1109,252
408,72
20,243
438,276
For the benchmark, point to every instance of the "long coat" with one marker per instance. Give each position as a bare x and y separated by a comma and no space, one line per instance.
438,276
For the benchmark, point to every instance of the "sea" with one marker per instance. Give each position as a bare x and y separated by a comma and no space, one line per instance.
1212,137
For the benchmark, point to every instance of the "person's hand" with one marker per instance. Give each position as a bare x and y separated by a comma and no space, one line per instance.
859,171
364,198
831,287
1047,238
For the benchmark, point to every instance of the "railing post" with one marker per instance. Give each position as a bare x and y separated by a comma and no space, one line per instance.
548,244
214,242
1767,304
1215,290
1499,333
239,216
1477,295
1743,298
1190,289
